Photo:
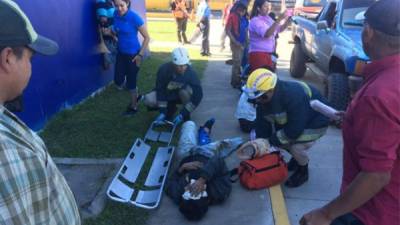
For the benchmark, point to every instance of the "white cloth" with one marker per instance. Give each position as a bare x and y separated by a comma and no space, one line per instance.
245,110
188,196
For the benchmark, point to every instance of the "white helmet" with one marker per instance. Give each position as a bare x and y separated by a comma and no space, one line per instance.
180,56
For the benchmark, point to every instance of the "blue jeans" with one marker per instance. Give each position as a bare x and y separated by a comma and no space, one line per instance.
188,144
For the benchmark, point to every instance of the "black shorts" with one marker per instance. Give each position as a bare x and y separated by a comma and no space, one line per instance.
125,68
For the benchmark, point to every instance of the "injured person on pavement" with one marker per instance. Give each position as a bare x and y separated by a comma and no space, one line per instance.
202,177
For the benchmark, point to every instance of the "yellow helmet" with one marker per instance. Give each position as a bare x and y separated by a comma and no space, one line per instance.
260,81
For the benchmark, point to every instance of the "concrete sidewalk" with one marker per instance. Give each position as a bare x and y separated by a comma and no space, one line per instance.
219,101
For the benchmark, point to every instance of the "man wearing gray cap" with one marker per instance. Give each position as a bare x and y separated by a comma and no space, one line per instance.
32,189
370,192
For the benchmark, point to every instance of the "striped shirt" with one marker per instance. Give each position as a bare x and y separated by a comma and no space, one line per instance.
32,189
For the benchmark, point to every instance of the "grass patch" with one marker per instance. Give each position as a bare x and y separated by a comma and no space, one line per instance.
96,128
166,30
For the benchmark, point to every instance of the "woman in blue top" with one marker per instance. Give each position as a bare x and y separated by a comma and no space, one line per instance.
130,52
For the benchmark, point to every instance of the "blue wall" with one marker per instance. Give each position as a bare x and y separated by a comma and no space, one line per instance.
67,78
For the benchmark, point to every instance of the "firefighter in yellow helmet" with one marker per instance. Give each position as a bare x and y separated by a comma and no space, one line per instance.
284,116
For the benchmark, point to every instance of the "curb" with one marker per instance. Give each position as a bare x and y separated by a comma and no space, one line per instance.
84,161
278,205
98,203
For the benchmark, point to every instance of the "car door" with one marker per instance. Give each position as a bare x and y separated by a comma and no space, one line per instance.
323,39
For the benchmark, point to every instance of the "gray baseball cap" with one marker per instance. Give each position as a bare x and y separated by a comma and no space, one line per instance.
17,30
384,16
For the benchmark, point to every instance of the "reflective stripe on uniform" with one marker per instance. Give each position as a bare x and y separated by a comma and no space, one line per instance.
307,135
280,118
162,104
306,88
190,107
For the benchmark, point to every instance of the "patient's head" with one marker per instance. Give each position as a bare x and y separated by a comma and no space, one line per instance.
194,210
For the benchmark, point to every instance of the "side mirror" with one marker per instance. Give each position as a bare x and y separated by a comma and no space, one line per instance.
322,25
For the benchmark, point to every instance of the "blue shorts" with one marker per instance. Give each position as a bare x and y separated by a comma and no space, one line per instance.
125,68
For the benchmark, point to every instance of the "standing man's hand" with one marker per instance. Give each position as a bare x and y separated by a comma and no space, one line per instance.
340,116
315,217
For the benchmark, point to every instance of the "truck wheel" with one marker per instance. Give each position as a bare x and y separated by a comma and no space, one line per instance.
297,62
338,91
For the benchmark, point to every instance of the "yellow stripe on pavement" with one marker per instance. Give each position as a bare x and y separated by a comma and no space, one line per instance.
278,206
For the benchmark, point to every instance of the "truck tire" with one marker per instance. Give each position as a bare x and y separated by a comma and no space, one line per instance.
297,62
338,91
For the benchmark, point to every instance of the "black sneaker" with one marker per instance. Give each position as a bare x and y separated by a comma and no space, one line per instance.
292,165
130,111
299,177
209,124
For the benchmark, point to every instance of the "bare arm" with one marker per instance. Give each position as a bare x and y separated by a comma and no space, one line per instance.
285,25
146,39
362,189
271,31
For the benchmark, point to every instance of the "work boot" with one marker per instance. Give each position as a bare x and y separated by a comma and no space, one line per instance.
292,165
299,177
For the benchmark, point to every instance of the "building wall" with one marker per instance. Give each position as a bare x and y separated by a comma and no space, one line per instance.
60,81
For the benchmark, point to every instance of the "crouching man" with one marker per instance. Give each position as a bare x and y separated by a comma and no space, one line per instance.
177,83
284,116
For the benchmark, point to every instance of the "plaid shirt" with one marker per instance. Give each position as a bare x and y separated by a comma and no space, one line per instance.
32,189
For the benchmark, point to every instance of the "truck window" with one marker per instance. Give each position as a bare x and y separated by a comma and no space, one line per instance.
328,13
351,10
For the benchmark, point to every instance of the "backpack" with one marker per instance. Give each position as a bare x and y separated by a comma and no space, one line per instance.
266,171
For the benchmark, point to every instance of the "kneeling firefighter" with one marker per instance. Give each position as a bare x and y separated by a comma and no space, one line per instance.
284,116
177,83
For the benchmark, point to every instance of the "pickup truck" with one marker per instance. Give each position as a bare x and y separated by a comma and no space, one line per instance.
331,45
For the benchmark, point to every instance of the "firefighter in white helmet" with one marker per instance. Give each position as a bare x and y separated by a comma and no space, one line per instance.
284,116
177,84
